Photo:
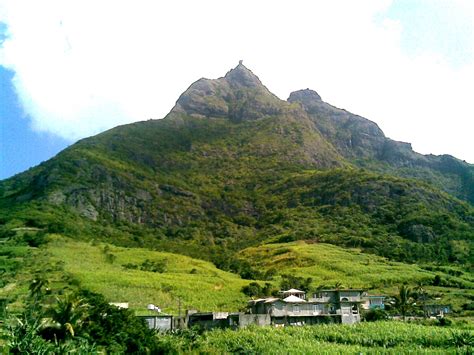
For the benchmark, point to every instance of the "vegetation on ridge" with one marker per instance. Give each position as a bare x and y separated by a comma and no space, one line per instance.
255,188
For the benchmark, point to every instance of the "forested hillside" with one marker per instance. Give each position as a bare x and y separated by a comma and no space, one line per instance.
232,166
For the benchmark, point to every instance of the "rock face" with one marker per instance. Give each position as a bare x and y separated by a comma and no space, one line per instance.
363,142
239,96
232,165
306,97
352,135
241,76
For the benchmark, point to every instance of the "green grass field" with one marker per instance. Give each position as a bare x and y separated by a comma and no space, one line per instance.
389,337
199,284
328,265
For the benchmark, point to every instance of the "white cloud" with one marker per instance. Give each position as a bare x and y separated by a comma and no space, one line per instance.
85,66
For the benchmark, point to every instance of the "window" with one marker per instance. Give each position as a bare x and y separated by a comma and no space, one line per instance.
317,307
296,308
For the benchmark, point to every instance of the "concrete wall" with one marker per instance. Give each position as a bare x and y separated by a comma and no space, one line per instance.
256,319
299,321
350,318
159,323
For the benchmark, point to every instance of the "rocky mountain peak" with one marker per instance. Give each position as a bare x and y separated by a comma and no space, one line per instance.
242,76
239,96
306,96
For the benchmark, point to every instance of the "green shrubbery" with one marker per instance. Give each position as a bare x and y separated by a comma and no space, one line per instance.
82,321
148,265
380,337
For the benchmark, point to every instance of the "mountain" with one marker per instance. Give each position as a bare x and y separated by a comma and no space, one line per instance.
364,144
232,166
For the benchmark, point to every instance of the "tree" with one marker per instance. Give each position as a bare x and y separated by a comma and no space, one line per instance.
119,330
404,300
421,295
300,283
253,289
67,315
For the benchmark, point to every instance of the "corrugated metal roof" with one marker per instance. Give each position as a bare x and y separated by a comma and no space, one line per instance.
271,299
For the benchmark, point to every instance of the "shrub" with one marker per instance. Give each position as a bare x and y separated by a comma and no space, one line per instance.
437,280
34,239
374,315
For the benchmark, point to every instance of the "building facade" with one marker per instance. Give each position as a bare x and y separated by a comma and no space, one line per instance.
374,302
325,306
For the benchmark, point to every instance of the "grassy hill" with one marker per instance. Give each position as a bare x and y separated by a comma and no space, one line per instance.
329,265
141,276
233,176
198,284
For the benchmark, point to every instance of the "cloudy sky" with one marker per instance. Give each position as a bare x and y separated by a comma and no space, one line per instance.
71,69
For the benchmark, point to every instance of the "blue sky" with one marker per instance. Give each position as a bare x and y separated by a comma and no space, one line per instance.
20,146
434,26
408,65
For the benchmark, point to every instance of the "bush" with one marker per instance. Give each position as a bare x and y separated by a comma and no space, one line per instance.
151,266
445,322
253,289
110,326
34,239
437,280
291,281
374,315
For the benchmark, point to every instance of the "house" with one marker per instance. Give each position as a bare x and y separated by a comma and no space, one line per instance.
326,306
292,308
436,310
211,320
343,302
160,322
373,302
293,292
242,320
207,320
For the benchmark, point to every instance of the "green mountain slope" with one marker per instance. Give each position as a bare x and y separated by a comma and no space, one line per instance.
232,166
363,143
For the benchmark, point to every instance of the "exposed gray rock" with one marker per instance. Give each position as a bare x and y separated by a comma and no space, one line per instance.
305,96
238,96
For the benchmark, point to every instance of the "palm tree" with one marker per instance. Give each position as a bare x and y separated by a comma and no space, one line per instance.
421,294
68,314
404,300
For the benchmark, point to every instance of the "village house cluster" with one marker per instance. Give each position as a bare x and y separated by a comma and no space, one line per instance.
292,308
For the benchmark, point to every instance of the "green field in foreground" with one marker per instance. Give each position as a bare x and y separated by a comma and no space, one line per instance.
364,338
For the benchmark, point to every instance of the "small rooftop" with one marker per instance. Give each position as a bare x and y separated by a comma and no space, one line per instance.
292,290
340,290
293,299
